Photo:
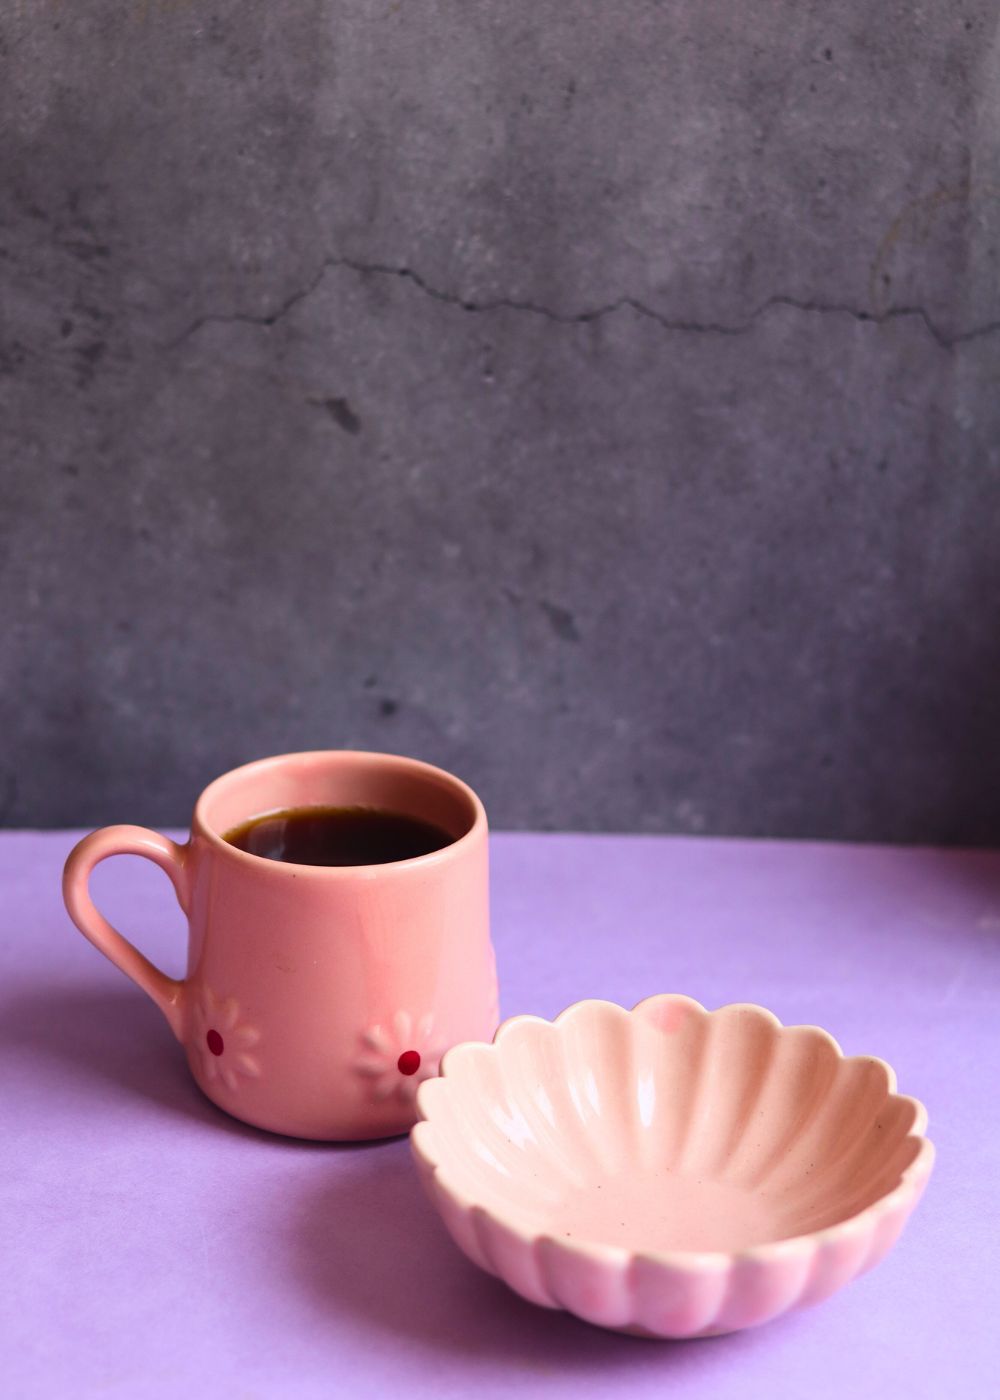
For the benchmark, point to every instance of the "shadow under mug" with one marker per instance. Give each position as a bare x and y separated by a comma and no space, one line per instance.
316,998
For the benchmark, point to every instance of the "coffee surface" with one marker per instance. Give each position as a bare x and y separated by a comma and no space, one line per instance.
337,836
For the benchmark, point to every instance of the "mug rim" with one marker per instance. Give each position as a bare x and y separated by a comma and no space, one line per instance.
200,826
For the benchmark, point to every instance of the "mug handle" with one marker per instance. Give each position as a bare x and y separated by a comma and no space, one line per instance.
167,992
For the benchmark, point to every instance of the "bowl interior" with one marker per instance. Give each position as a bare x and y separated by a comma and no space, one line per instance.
667,1128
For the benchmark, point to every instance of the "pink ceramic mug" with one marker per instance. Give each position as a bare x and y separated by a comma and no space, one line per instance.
316,997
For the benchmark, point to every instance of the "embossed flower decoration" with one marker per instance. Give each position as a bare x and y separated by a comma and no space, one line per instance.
224,1041
399,1056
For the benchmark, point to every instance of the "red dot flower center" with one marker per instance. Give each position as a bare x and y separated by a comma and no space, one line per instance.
408,1062
215,1042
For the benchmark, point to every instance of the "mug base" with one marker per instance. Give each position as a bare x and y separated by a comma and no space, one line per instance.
345,1136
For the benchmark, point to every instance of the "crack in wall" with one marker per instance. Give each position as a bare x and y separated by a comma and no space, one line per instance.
941,338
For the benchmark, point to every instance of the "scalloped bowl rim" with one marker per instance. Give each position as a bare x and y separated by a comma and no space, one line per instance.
908,1186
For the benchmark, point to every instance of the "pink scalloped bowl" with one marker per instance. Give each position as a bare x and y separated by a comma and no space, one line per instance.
669,1171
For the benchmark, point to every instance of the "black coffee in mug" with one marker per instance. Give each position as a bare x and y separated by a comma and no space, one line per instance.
337,836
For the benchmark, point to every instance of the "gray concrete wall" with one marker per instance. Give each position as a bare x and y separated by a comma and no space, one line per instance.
601,400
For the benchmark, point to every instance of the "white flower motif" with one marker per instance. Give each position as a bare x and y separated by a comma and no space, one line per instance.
398,1057
222,1041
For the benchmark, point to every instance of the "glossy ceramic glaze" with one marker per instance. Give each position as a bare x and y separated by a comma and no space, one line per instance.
669,1171
317,998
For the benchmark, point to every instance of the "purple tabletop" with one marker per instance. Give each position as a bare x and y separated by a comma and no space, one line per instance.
153,1246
